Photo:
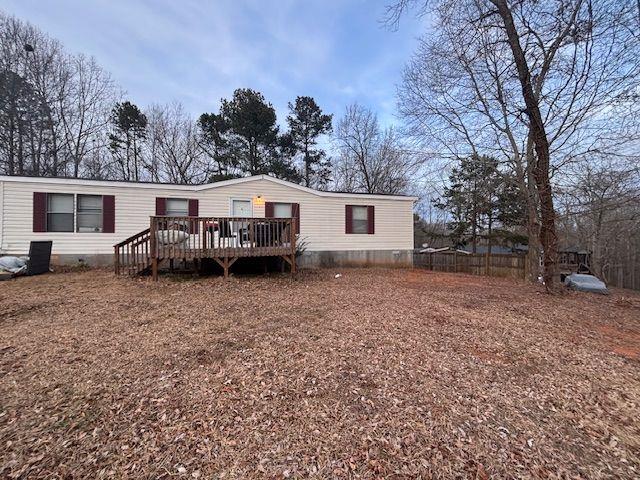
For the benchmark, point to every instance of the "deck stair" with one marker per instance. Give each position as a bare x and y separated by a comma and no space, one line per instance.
132,256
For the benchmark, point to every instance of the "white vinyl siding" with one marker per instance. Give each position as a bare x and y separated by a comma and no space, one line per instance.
321,223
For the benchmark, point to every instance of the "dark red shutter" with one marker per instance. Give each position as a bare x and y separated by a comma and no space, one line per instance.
193,207
348,219
39,212
193,212
268,209
295,213
108,214
161,206
371,220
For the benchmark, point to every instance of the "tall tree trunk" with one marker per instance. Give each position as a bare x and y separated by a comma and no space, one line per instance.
533,221
307,166
55,161
474,231
128,157
489,232
597,259
548,238
253,158
20,165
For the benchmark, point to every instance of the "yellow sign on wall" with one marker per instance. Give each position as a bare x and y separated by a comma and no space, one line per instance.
258,201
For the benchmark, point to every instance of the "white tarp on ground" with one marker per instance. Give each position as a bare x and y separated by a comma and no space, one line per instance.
15,265
585,283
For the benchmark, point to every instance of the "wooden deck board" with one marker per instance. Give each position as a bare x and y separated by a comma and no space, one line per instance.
193,253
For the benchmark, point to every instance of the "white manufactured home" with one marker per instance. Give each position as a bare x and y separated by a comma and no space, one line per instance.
85,219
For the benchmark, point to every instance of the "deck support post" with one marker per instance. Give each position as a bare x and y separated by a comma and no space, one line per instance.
116,259
153,244
293,245
225,263
291,260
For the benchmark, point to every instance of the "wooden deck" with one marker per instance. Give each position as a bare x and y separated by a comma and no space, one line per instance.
223,239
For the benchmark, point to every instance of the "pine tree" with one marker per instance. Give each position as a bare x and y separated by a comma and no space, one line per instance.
212,139
24,126
243,138
252,131
126,139
306,124
473,199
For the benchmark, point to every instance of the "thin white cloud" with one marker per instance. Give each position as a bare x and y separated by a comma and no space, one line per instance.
196,52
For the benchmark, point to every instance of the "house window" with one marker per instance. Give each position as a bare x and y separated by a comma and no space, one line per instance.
282,210
59,212
89,211
360,223
177,207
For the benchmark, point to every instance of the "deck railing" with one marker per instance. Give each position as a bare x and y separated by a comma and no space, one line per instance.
223,239
133,255
197,237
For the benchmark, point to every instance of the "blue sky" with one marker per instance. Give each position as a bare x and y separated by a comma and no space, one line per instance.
196,52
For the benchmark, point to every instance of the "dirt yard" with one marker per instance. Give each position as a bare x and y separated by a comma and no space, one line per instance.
377,374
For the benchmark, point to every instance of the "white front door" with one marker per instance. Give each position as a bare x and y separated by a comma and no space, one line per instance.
241,208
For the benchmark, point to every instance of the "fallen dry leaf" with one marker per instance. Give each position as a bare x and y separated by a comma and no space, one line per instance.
382,374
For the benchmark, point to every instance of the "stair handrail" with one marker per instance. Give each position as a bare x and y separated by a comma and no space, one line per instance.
132,238
118,247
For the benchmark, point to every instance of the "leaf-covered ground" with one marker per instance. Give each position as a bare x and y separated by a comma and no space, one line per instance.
377,374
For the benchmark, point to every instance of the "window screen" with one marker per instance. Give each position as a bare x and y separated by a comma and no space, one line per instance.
177,207
89,213
282,210
359,219
59,212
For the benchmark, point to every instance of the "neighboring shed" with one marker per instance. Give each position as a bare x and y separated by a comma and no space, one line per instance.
574,259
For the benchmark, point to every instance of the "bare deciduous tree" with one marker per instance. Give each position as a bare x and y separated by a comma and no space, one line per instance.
540,83
370,159
600,210
176,154
53,106
84,111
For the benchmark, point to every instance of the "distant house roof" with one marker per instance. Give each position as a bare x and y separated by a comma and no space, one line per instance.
206,186
574,249
518,248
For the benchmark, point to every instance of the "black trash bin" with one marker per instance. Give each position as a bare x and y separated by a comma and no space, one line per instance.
39,257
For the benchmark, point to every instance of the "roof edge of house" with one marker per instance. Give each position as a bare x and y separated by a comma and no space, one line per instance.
196,188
